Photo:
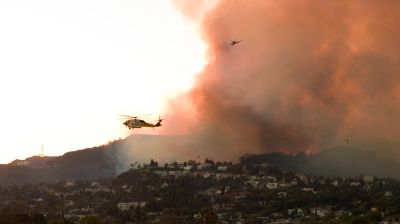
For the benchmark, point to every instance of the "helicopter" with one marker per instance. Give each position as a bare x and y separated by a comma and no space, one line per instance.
234,42
133,122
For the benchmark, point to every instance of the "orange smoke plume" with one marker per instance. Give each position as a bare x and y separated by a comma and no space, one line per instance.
306,75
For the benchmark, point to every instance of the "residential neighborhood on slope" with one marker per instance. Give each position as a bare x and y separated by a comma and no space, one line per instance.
244,192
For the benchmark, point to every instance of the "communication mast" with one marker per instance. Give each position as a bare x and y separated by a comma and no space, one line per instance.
42,153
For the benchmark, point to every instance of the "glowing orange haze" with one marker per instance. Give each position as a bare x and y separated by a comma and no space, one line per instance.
307,74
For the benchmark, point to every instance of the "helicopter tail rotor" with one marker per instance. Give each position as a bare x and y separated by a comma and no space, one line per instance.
159,121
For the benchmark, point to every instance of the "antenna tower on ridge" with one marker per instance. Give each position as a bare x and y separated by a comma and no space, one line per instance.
42,153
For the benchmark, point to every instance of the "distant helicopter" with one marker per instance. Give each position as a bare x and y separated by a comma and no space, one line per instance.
234,42
134,122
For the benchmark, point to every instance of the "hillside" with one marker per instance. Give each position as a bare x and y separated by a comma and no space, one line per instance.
337,162
111,159
88,164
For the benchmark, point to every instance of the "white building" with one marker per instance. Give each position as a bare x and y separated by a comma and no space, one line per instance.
368,179
272,185
271,178
123,206
95,184
188,167
222,168
302,177
207,165
200,166
321,212
295,211
22,163
308,189
282,194
69,184
388,194
164,185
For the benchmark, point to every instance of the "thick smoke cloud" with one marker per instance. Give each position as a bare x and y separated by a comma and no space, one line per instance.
306,75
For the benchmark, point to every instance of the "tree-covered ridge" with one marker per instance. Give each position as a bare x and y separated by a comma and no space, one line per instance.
108,160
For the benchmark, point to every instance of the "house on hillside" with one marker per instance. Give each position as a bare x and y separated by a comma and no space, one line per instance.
308,189
222,168
321,212
368,179
124,206
295,212
272,185
162,173
188,167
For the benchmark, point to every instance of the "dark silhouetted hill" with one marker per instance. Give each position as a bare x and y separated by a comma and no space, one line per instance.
92,163
86,164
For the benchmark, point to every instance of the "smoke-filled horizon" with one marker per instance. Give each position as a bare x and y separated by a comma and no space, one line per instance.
307,75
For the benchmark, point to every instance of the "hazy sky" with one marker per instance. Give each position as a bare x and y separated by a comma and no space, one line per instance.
69,68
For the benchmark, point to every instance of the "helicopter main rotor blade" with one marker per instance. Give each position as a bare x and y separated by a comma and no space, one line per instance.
141,115
126,116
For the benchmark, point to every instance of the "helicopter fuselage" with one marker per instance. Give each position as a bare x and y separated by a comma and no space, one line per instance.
138,123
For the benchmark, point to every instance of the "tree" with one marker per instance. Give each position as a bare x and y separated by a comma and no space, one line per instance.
90,220
138,213
207,216
153,163
360,220
172,216
209,161
59,221
375,216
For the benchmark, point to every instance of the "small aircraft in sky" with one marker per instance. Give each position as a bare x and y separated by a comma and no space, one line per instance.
133,122
234,42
